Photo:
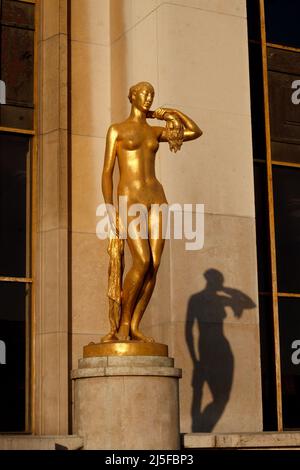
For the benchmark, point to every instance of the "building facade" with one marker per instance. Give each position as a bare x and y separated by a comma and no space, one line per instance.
228,312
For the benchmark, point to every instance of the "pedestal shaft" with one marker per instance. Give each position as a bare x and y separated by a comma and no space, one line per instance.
127,403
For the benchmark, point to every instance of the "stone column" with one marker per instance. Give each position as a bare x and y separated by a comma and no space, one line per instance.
51,272
128,402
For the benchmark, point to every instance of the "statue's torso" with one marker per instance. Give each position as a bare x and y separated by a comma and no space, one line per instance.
136,150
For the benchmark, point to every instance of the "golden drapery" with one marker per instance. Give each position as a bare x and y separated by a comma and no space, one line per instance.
115,274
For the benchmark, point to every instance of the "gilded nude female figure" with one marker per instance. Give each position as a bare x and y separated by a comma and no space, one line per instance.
134,144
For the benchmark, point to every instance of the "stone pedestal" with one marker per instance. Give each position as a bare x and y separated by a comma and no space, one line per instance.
129,402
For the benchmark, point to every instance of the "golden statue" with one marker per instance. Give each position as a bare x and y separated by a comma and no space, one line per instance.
134,144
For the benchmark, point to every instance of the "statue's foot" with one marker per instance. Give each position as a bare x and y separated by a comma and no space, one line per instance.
123,333
109,337
137,335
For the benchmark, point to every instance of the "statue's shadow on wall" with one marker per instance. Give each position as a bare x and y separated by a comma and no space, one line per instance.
212,355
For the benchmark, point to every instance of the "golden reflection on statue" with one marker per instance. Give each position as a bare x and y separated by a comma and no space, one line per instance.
134,144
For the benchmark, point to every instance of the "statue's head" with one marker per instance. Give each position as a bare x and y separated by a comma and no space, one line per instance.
141,95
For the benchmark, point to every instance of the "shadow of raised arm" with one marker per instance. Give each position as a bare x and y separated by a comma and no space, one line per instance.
238,301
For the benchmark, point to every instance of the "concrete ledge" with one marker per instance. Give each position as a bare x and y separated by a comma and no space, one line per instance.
109,366
126,371
128,361
17,442
266,440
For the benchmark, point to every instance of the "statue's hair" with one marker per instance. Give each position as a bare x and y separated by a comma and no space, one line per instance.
137,87
175,133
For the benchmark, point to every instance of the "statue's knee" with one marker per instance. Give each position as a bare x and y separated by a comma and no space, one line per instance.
142,264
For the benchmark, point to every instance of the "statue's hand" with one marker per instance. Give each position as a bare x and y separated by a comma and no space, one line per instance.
174,126
164,114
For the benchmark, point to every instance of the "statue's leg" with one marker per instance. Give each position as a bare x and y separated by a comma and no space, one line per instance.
141,307
133,282
156,247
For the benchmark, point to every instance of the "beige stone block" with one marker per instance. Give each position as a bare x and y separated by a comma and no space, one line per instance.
11,442
234,7
93,362
37,398
215,170
79,340
54,18
142,10
178,349
244,415
87,164
199,440
121,77
196,65
91,21
125,14
63,81
228,380
255,440
129,371
50,85
63,175
124,361
162,333
230,250
130,64
53,283
143,39
53,182
53,83
52,384
63,16
140,361
89,284
259,440
50,18
49,184
90,89
120,14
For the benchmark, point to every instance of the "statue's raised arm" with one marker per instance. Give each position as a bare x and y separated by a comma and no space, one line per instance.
179,127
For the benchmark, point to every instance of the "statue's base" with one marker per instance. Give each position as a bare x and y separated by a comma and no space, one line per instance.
127,402
125,348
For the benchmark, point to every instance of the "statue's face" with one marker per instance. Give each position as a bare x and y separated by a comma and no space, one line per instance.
143,98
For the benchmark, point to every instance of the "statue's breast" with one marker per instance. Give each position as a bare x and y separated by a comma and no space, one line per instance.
139,138
132,140
151,143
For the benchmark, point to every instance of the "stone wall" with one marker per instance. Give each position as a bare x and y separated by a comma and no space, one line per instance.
194,52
